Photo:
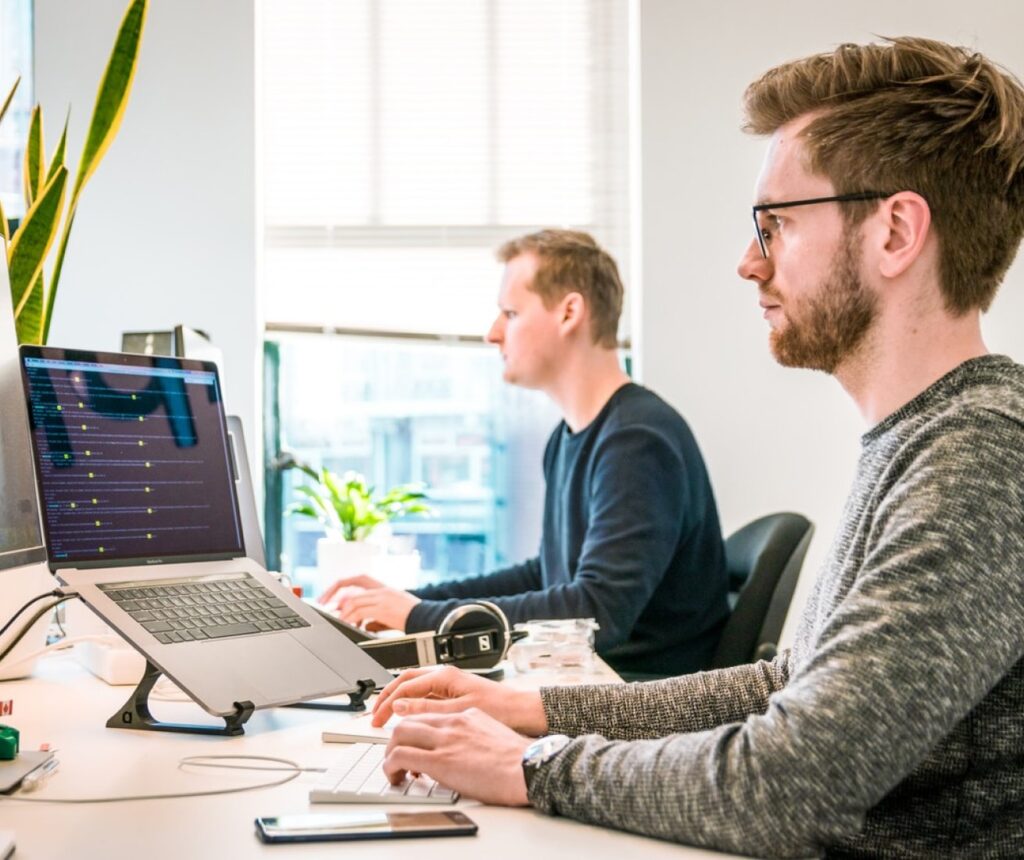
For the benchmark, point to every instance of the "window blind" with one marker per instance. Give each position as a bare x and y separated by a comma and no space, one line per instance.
403,140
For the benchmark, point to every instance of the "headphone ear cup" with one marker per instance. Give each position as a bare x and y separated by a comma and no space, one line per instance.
489,622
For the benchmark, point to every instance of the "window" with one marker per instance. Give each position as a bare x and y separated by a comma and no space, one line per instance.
15,61
411,410
403,141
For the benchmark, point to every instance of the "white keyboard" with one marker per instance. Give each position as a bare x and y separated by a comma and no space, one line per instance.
359,778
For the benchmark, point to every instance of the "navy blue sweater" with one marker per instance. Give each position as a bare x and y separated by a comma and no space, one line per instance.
630,537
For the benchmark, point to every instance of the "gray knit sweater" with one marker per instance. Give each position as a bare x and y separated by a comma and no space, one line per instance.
895,725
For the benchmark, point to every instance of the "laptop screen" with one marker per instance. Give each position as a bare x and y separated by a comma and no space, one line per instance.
131,458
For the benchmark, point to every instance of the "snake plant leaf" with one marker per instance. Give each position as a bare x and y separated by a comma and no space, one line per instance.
29,322
111,101
112,98
58,154
4,227
27,251
10,98
34,167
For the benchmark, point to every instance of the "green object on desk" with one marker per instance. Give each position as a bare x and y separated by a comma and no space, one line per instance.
8,743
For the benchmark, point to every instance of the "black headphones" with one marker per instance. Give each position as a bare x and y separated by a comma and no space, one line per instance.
472,636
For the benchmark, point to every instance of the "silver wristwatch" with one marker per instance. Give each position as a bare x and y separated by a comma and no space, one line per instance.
539,753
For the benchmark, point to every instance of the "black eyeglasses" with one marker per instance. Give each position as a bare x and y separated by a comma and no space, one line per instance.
764,234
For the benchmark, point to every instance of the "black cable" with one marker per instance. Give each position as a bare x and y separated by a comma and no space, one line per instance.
21,634
55,593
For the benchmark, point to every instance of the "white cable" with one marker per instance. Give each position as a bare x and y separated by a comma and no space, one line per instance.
212,761
67,642
293,771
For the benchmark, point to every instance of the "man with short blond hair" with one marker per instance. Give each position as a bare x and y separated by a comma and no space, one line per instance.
889,206
572,260
630,532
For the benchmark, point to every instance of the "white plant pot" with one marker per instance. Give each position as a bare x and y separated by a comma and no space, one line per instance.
337,558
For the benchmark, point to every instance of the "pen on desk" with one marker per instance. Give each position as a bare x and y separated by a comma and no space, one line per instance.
36,778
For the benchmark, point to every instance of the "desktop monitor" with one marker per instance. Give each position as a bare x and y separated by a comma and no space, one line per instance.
148,342
23,570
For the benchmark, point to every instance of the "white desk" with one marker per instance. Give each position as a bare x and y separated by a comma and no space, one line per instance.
65,706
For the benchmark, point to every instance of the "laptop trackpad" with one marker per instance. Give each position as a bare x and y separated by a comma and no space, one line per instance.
278,667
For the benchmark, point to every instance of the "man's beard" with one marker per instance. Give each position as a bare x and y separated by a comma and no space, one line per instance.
824,329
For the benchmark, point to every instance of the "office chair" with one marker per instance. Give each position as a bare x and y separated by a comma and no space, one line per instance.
763,560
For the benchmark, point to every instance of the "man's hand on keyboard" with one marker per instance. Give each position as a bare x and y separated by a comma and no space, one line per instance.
450,690
470,752
362,598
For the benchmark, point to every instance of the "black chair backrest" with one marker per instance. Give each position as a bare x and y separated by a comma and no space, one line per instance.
763,560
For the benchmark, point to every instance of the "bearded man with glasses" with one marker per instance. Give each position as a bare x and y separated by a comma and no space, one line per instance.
889,207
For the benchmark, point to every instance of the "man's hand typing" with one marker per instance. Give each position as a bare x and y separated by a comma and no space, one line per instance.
450,691
470,752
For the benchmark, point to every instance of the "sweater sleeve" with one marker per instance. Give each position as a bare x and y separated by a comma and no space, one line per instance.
688,703
932,622
438,600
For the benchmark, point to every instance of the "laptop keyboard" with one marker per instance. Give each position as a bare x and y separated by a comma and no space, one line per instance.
204,607
359,778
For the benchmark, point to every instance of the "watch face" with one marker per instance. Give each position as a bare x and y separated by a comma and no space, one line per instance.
539,753
544,749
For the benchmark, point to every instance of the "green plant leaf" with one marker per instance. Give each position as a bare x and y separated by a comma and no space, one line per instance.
314,496
342,503
351,506
10,98
34,158
31,242
426,510
111,101
112,98
58,154
29,322
5,228
296,509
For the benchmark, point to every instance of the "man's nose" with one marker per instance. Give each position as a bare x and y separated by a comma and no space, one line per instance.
753,266
494,333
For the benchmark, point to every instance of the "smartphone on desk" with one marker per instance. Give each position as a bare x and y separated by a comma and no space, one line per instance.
328,827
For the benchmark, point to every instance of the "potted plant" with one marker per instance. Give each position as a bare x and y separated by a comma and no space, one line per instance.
46,185
353,515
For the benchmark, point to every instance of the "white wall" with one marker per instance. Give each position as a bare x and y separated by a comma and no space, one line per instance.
166,228
775,439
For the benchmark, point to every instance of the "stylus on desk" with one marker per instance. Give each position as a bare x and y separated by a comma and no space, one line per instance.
36,778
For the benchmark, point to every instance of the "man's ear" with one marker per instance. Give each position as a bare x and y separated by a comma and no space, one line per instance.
572,309
903,230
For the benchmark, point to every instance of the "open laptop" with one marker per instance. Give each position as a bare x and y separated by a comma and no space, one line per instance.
141,518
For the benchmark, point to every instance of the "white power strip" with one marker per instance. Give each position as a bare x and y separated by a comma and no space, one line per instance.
112,660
